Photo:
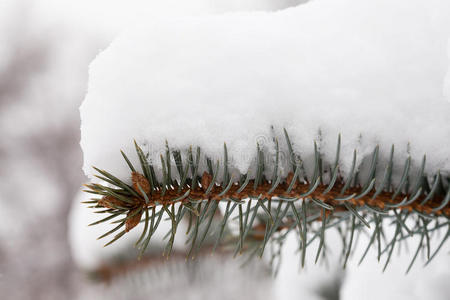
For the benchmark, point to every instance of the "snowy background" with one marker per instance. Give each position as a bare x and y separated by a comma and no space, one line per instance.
46,250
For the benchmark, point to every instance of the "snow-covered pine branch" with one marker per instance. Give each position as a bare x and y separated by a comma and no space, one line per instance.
372,72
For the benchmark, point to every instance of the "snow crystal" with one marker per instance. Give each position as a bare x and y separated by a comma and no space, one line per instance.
371,70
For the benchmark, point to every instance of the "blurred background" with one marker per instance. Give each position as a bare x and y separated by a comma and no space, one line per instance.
45,50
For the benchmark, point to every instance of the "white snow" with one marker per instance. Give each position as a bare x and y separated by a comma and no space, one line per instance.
371,70
447,78
110,16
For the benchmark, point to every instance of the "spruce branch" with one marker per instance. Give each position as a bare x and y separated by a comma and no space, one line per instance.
282,205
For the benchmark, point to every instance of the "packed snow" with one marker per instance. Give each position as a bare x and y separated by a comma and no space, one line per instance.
371,70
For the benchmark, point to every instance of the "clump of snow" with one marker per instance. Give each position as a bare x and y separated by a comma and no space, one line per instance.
370,70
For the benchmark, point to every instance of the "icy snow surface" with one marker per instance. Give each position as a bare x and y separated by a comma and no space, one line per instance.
373,71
